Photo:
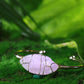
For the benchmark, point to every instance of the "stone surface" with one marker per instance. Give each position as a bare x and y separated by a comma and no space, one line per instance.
39,64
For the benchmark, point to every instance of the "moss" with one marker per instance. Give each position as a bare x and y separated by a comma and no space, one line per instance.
12,72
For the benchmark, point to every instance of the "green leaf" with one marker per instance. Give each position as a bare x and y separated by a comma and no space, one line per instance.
9,13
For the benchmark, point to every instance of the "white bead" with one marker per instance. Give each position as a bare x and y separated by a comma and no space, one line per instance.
74,58
44,51
70,57
40,52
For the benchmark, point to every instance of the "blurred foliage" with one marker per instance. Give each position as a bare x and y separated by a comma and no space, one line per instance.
55,21
9,13
62,19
